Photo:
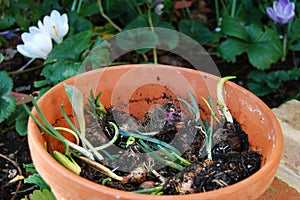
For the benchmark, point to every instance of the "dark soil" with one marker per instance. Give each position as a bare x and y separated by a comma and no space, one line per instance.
232,161
16,152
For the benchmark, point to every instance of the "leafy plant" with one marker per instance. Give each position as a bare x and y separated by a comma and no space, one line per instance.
262,47
7,102
40,195
262,83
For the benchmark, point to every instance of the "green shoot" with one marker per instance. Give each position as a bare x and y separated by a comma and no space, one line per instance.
130,141
101,168
84,140
67,161
77,102
112,140
69,131
223,110
95,107
155,190
106,180
194,110
149,139
209,105
147,149
47,127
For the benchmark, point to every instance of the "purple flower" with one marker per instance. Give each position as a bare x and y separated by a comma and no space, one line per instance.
7,34
282,12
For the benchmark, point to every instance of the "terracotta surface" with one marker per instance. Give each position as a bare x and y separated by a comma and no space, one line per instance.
123,83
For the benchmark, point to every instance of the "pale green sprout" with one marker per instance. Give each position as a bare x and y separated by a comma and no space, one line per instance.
209,129
223,110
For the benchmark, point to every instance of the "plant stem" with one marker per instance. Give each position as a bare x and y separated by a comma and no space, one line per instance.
233,8
284,44
152,29
211,110
69,131
149,139
223,110
106,17
217,13
48,128
101,168
149,190
26,65
112,140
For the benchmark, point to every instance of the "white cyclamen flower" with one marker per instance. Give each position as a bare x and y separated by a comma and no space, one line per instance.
56,25
37,43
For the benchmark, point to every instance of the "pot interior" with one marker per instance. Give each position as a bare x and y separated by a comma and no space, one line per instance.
136,88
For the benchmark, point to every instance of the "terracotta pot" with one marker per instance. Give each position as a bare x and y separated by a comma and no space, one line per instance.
153,83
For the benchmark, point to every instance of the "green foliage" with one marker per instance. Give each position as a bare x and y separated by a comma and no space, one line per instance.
294,36
41,195
20,118
24,13
141,40
37,180
262,83
263,47
78,23
1,57
98,57
64,61
7,102
196,30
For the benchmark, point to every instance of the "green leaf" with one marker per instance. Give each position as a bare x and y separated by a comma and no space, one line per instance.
37,180
98,57
196,30
168,38
295,47
262,47
265,48
233,27
20,118
294,74
257,76
115,8
231,48
40,83
7,106
293,35
7,103
72,47
6,83
7,20
59,71
42,195
30,168
89,9
141,39
21,123
262,55
258,89
78,23
77,102
1,57
256,83
140,21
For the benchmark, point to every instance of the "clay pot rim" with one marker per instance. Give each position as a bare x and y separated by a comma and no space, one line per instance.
274,158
